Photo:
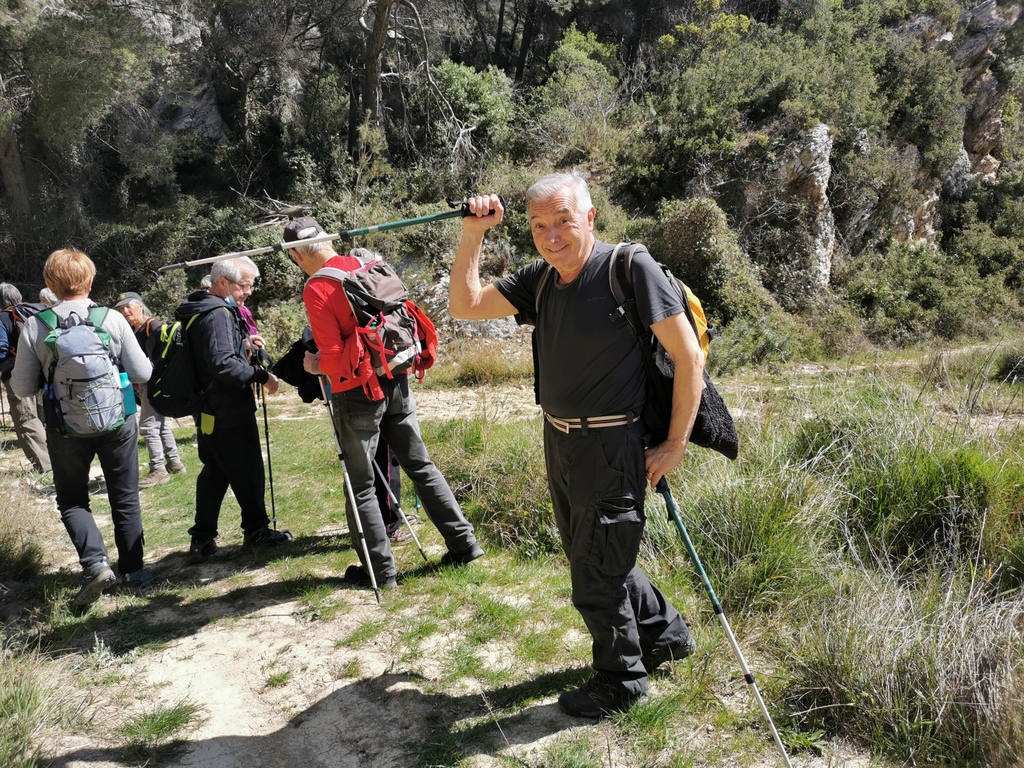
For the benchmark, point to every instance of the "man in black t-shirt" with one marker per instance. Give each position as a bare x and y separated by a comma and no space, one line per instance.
591,388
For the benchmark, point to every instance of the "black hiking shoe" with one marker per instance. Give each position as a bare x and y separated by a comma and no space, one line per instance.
95,579
141,581
201,550
357,577
598,697
464,557
265,537
659,655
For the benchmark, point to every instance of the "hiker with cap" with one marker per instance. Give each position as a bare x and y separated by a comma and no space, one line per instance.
107,337
367,406
591,388
156,430
24,413
227,435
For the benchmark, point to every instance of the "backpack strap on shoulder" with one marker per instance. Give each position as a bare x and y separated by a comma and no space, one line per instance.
542,282
620,283
49,319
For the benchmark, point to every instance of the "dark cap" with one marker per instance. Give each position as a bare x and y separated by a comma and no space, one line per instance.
302,228
126,298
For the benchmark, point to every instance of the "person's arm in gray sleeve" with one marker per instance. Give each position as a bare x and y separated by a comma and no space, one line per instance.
132,357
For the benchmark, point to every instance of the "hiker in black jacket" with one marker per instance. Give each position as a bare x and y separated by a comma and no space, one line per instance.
227,435
591,386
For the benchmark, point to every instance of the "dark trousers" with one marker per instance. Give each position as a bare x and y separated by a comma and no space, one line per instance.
358,421
231,456
118,452
388,463
597,483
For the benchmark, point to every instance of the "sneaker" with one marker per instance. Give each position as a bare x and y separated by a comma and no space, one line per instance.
155,477
95,579
599,697
201,550
140,581
464,557
400,536
175,467
661,654
357,577
265,537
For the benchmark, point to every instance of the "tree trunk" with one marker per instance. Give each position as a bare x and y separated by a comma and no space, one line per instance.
499,54
376,39
529,27
12,173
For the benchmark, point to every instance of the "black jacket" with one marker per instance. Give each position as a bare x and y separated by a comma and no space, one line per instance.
217,340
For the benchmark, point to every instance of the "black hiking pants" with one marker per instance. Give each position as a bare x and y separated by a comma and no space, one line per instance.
597,480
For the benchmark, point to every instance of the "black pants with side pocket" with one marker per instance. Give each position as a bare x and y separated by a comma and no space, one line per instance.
597,481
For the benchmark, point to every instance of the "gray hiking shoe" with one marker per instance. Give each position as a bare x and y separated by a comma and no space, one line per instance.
659,655
95,579
155,477
176,467
264,537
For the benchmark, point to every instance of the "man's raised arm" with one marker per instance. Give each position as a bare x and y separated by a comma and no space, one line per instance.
467,299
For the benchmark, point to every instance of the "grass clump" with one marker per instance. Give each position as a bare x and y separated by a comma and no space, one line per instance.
26,703
149,735
928,668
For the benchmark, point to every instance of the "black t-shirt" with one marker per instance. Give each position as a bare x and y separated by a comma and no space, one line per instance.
589,360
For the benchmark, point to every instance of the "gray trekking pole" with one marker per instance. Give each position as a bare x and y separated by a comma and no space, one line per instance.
673,514
261,363
350,494
398,506
460,209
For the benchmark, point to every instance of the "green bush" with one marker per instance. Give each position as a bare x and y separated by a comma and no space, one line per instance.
693,239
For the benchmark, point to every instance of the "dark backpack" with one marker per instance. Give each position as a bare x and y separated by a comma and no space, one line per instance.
83,391
396,333
713,427
173,389
13,320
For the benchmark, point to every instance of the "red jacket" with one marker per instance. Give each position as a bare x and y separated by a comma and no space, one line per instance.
334,330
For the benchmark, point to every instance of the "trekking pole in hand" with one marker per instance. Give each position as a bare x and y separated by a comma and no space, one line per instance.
350,495
398,506
673,514
260,357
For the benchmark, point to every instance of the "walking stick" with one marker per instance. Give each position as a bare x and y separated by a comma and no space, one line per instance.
673,514
350,494
258,354
459,210
398,506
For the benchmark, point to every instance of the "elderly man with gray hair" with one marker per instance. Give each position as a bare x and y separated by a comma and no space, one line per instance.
151,333
228,438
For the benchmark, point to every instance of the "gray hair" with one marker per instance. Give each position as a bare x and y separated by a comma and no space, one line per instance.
232,269
9,295
548,186
206,283
142,305
311,249
48,297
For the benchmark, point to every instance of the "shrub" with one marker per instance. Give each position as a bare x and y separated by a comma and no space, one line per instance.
281,323
927,668
693,239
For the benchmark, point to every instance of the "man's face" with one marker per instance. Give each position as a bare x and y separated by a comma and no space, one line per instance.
564,237
239,290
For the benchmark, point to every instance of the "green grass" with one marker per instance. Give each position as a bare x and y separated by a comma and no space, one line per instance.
149,736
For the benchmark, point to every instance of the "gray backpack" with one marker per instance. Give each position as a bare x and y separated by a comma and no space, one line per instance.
82,395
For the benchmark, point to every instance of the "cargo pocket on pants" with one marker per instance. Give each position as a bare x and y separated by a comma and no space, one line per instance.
618,527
